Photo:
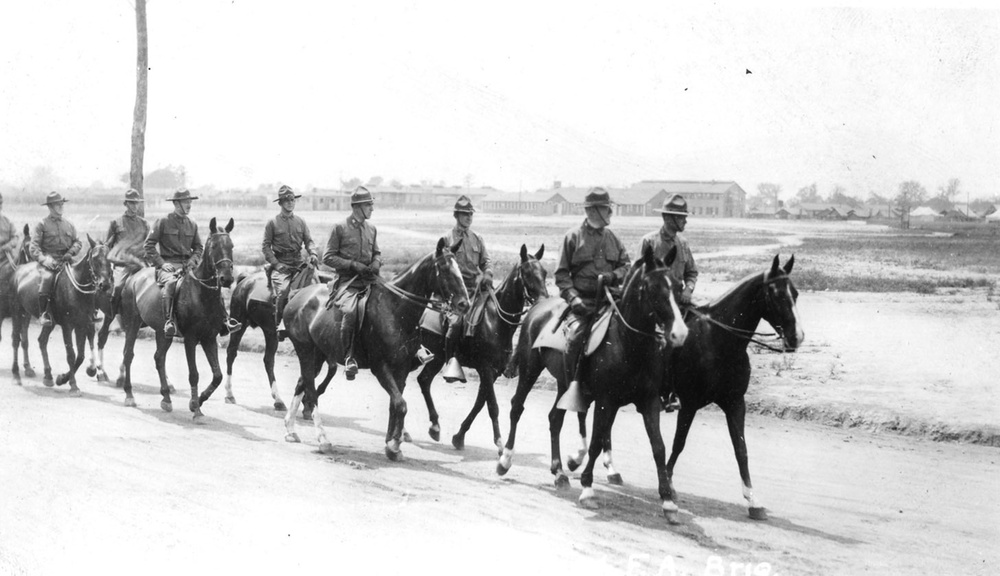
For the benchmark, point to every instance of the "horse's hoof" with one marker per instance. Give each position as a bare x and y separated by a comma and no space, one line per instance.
102,377
230,399
561,481
588,499
406,437
49,383
75,393
458,442
292,437
16,382
307,414
326,448
672,516
166,406
615,479
194,405
759,513
278,406
572,463
62,379
91,371
197,416
29,372
393,455
501,469
130,402
120,382
435,433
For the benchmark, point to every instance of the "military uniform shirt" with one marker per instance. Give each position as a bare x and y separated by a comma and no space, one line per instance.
683,270
178,239
472,257
284,236
352,241
9,238
586,253
54,236
127,235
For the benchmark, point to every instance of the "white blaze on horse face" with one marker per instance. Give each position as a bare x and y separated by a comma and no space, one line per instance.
679,330
800,334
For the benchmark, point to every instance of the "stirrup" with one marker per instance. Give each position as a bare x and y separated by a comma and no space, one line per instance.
424,355
572,399
350,368
671,403
453,371
46,319
231,326
169,329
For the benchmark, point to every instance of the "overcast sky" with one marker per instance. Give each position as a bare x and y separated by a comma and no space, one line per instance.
517,95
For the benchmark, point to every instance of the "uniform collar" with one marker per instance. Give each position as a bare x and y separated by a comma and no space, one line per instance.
354,221
589,228
288,216
666,233
54,217
460,232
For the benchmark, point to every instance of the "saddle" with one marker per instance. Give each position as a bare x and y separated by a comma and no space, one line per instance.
435,322
563,328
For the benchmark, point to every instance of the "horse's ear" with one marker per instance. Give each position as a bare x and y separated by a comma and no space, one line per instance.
27,231
91,241
789,264
456,246
647,257
670,257
229,227
774,267
440,247
524,253
541,251
211,225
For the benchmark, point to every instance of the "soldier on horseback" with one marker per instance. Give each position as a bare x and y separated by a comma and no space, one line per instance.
9,238
284,237
683,271
591,255
353,252
53,244
180,251
474,262
125,240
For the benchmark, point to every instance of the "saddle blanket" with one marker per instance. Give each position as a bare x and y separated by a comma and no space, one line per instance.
557,333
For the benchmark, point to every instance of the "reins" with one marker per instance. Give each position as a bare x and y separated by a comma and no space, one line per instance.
428,303
748,335
215,265
89,288
519,314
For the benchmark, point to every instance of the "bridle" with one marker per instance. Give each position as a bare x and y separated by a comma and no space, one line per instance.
617,312
749,335
217,285
528,301
83,288
428,303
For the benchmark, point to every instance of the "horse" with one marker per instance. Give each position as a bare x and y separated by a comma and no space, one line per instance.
8,266
488,349
387,339
199,311
713,366
626,367
251,306
72,304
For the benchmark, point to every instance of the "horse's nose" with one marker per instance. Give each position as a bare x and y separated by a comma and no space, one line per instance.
678,332
462,306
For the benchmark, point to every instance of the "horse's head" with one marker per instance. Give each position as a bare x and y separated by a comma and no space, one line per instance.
780,309
450,285
24,256
532,274
219,252
650,287
100,266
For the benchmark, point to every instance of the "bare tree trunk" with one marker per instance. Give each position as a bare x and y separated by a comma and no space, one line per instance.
139,114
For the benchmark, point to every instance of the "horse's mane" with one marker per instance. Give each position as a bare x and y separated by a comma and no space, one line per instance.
411,269
732,289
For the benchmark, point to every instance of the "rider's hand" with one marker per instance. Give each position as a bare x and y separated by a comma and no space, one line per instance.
686,297
168,268
578,306
487,281
314,260
66,258
49,262
285,269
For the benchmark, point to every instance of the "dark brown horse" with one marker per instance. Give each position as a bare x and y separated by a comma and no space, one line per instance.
8,293
488,349
713,366
626,367
73,294
387,341
200,313
251,306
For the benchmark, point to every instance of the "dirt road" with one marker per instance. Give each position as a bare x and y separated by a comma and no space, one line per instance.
86,485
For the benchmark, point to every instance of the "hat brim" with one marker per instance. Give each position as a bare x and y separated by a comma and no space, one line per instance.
183,199
127,200
595,204
279,199
464,211
63,201
671,212
362,202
